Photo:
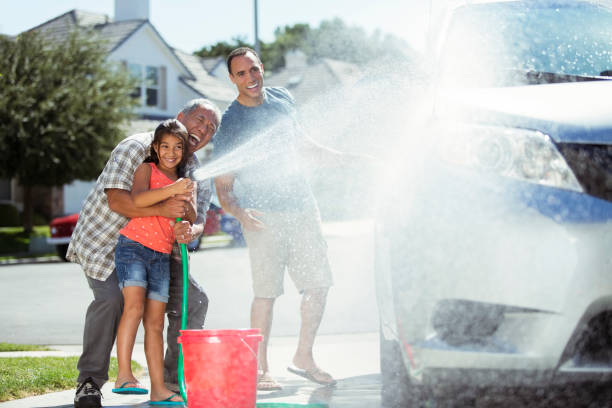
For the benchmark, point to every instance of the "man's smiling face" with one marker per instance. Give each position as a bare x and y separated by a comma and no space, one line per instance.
247,75
201,125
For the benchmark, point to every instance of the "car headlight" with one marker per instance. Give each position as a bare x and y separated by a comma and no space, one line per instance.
521,154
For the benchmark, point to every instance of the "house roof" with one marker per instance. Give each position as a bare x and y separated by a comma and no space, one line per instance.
58,28
308,80
72,18
211,63
116,33
203,83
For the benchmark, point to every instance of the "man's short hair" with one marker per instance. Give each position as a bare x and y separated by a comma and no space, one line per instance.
239,52
202,103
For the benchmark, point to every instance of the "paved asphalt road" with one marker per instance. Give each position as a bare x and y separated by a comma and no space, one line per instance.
45,304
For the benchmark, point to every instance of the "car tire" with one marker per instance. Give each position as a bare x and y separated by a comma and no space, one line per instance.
61,251
397,391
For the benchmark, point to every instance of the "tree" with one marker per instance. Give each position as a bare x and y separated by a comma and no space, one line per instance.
286,39
222,48
332,39
62,106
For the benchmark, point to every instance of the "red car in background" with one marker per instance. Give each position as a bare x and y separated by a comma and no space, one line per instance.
61,230
216,221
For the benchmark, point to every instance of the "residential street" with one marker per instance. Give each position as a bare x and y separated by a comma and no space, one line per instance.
45,304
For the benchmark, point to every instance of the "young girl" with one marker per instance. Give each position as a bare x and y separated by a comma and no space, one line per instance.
142,260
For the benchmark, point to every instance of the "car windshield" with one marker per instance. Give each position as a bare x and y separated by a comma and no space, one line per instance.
486,42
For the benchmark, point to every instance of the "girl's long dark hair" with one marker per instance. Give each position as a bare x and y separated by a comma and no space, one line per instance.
175,128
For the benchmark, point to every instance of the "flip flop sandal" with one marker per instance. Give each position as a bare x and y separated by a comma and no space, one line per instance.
130,390
168,401
312,375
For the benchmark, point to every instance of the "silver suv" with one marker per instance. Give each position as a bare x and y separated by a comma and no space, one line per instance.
494,242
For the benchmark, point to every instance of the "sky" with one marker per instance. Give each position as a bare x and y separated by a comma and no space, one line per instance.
192,24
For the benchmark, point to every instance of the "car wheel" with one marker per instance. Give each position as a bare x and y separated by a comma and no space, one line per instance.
61,251
397,390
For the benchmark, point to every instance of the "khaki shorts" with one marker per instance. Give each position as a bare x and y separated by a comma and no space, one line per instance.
291,241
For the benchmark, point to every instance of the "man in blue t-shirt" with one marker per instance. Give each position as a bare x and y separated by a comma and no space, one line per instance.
268,193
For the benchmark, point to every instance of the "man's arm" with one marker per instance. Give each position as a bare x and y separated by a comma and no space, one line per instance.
318,155
192,224
229,202
143,196
120,201
191,213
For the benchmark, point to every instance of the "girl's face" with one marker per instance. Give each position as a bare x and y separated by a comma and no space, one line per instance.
169,151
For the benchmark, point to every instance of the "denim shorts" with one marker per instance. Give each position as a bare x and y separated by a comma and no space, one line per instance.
138,265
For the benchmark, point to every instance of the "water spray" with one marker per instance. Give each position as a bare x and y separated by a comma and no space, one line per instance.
257,149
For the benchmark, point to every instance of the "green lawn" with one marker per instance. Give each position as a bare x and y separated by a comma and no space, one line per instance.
14,241
25,376
22,347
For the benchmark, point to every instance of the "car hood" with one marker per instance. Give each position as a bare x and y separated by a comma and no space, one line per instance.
578,112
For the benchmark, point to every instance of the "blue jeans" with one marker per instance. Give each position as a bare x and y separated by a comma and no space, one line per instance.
104,313
138,265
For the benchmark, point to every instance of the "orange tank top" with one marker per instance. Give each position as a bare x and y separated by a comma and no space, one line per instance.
153,232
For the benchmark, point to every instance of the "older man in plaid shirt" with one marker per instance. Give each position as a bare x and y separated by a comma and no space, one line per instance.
107,209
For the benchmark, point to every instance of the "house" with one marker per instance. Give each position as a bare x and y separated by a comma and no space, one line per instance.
217,67
306,80
167,78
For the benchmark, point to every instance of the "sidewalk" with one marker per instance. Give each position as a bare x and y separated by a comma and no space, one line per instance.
330,229
351,358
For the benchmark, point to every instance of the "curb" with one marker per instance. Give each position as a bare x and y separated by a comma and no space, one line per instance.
39,259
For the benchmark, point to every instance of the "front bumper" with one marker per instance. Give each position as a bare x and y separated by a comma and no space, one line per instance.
541,276
58,240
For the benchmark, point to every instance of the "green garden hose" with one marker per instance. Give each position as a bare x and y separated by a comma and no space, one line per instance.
181,371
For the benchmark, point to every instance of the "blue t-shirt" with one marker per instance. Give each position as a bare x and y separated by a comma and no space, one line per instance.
262,141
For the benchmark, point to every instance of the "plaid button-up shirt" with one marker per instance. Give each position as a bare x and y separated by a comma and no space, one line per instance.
95,236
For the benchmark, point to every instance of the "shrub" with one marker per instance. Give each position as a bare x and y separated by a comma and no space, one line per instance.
9,216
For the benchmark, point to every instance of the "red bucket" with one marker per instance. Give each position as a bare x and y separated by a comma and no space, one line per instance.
220,367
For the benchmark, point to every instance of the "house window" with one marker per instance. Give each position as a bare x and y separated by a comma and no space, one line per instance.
152,85
148,85
136,73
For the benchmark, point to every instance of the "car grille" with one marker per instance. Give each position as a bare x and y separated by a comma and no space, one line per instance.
592,165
